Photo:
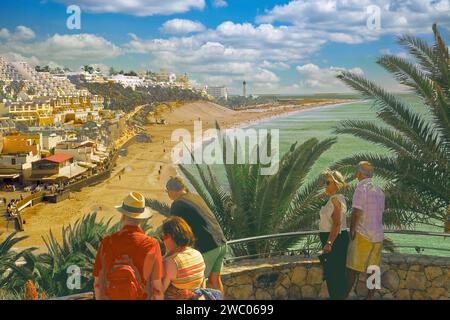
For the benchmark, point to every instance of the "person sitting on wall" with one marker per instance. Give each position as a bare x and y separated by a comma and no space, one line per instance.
211,241
184,267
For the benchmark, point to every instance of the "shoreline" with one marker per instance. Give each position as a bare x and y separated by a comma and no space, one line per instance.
247,124
288,113
146,169
256,122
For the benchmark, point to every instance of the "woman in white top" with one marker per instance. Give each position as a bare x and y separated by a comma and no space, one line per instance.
334,235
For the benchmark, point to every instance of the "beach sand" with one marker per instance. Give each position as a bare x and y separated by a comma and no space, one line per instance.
141,165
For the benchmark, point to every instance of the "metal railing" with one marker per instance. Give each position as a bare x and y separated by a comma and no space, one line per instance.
90,295
418,248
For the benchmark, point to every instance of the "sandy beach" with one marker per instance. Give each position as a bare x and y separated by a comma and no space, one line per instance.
141,166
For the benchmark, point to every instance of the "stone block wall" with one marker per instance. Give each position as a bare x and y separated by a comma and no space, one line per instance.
403,277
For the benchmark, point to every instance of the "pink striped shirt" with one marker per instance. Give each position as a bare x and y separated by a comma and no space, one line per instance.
370,199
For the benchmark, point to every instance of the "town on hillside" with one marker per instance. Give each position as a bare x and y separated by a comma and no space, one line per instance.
56,135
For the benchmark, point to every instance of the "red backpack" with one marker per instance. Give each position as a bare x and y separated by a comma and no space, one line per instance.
123,280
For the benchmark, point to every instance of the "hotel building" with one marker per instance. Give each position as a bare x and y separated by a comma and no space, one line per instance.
218,92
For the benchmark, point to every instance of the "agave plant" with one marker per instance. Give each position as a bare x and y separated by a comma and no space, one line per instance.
417,168
251,204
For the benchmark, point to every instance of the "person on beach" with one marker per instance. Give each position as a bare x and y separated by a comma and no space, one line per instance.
211,241
334,235
366,228
128,265
184,267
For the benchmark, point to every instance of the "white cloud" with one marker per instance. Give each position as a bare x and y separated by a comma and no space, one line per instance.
21,33
402,54
54,65
138,7
104,69
13,56
181,26
275,65
264,76
219,4
346,20
64,48
323,79
283,36
24,33
232,50
77,46
4,33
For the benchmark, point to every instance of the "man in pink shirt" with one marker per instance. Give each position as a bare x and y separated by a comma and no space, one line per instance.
366,228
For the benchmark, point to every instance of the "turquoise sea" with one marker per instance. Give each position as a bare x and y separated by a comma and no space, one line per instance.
319,122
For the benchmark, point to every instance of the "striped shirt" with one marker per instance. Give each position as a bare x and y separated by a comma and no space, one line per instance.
190,269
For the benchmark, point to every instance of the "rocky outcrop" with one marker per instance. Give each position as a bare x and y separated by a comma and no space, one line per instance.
403,277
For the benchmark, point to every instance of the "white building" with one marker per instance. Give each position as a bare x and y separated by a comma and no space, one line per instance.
46,84
43,84
17,166
7,71
50,141
82,151
218,92
128,81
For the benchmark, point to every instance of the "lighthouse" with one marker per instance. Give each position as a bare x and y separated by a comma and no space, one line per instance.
244,89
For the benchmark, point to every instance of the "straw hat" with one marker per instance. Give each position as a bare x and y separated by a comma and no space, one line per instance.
133,206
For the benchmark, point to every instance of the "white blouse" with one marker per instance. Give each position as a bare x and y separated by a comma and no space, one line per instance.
326,222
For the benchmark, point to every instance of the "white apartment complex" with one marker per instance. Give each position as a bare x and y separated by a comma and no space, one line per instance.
218,92
45,84
7,71
128,81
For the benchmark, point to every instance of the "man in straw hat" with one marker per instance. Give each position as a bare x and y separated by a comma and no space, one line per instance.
128,265
366,228
210,240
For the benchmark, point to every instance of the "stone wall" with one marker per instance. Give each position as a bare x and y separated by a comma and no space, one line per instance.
403,277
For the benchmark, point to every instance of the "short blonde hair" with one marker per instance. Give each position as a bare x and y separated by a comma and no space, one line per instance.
337,178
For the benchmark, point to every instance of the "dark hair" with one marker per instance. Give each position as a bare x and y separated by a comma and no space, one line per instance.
179,230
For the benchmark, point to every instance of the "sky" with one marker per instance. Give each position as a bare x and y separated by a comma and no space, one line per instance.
277,47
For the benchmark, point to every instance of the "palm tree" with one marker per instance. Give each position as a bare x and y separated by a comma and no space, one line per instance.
48,271
251,204
416,167
7,255
88,69
9,261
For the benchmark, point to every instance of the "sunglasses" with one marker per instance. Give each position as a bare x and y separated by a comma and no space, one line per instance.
328,182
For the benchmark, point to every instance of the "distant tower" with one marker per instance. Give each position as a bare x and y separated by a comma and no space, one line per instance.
244,89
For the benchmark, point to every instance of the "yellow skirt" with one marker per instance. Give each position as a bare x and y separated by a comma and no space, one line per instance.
362,253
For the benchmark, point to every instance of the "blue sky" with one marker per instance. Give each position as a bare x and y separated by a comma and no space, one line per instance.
287,47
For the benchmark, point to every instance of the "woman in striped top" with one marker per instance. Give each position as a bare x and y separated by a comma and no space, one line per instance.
184,266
